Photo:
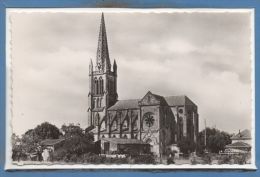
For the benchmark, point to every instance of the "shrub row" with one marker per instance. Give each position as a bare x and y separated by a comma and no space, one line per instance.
61,155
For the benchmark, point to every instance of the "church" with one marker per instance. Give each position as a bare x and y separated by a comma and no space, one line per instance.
153,119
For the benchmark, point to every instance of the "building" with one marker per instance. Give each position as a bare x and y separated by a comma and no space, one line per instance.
123,146
154,119
242,136
51,144
241,142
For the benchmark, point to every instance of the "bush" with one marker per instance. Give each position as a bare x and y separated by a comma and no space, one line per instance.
18,155
233,159
186,145
240,159
224,159
96,159
73,149
93,158
143,159
193,160
59,155
118,161
207,159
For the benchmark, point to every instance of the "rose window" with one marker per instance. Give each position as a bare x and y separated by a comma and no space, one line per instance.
149,119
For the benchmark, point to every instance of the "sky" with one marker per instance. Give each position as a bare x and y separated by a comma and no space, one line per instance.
203,55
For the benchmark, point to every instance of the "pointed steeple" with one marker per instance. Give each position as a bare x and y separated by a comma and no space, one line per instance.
103,61
90,67
115,67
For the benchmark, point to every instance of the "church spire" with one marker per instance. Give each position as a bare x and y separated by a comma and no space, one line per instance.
90,67
103,61
115,67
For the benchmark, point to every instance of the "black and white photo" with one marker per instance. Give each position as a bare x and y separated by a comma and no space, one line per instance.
130,88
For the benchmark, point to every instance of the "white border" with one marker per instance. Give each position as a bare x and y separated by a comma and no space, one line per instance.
8,163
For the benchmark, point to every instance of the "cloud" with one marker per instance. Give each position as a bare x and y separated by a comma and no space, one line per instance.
203,55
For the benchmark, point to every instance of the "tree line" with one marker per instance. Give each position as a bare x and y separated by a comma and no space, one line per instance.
78,143
216,141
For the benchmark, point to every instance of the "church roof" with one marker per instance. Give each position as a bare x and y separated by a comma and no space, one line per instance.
134,103
178,100
160,98
125,104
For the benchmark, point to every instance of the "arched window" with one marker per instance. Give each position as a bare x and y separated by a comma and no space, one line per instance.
111,84
98,86
103,125
95,86
94,102
101,85
106,122
134,124
114,125
96,120
97,103
125,136
125,124
100,100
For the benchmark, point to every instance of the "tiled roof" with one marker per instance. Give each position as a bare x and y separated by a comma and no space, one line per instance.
238,145
171,101
125,104
245,134
123,141
178,100
161,99
50,142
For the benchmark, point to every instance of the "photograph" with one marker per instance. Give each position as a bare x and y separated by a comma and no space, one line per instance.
97,88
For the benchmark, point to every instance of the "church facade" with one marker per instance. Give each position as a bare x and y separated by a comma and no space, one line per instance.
154,119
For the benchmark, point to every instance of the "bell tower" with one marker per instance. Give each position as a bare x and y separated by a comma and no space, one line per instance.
102,80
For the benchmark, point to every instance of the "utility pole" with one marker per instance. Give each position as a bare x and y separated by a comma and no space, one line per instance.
205,137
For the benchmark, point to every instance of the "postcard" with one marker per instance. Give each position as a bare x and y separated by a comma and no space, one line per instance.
130,89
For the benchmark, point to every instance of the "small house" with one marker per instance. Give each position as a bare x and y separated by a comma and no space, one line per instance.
241,142
242,136
52,144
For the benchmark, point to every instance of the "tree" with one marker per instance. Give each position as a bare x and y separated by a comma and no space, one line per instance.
31,139
47,131
72,130
16,141
186,145
216,140
16,147
76,143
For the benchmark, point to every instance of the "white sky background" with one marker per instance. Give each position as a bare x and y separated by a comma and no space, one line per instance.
205,56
